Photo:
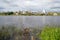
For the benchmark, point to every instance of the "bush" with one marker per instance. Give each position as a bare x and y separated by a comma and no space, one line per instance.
50,33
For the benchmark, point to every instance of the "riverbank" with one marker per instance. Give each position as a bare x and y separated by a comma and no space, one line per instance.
13,33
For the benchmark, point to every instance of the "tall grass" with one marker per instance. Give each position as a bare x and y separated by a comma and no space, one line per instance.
46,33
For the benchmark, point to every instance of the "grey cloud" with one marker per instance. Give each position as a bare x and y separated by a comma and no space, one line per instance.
2,8
22,5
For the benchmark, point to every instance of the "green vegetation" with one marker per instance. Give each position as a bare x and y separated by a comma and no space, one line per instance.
50,33
29,13
46,33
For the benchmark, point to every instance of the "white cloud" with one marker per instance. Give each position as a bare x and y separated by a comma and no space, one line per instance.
28,4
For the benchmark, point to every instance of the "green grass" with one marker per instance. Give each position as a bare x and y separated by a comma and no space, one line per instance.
50,33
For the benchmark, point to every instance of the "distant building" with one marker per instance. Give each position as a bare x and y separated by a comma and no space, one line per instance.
55,14
16,13
24,12
44,11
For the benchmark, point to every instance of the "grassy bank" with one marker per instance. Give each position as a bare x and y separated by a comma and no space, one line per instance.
50,33
46,33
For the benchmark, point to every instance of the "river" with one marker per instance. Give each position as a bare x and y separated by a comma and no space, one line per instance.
29,21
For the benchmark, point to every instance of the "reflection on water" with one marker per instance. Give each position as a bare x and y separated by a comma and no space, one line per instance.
30,21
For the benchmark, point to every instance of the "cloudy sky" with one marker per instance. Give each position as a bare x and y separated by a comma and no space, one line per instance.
33,5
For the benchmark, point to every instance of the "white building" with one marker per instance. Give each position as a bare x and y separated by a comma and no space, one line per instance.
44,11
16,13
24,12
55,14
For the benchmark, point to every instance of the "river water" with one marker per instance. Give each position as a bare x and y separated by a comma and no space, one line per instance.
29,21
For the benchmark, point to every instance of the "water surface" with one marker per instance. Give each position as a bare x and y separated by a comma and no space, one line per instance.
29,21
